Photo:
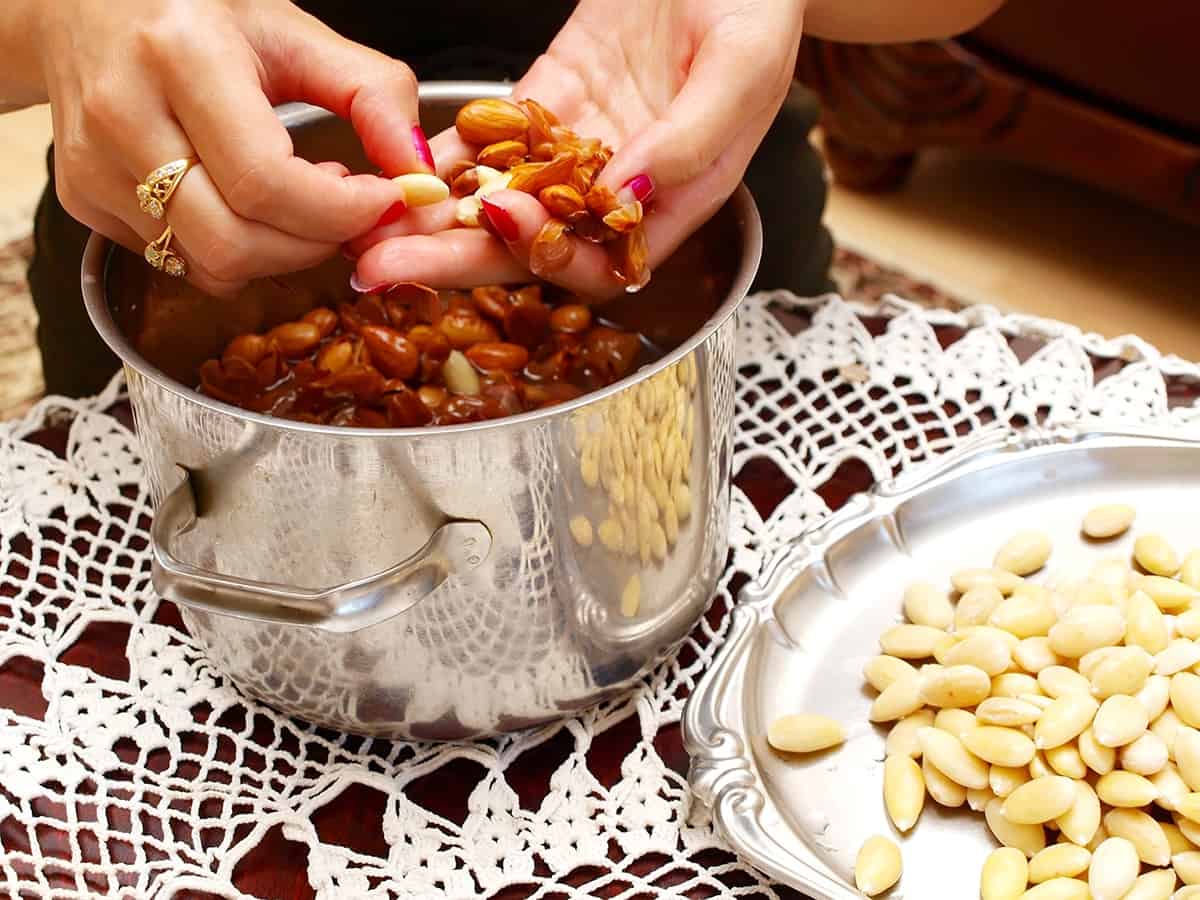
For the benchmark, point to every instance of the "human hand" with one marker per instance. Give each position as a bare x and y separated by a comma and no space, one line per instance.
685,90
135,85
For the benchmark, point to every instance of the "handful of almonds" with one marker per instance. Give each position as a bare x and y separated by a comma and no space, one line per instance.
523,147
1068,713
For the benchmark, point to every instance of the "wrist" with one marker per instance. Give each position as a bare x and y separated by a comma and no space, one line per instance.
22,81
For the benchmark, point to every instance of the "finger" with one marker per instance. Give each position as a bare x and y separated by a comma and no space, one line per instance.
249,153
724,90
449,149
310,62
459,258
422,220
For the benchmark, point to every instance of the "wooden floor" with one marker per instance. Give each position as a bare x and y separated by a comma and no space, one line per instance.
987,231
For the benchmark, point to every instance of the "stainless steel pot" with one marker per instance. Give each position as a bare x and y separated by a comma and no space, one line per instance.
436,583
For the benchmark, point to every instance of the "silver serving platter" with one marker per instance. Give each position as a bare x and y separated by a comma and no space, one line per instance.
800,634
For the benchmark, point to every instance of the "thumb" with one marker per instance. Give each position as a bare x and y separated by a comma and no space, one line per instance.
737,73
309,62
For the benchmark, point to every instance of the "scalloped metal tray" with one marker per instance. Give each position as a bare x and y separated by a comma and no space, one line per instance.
800,635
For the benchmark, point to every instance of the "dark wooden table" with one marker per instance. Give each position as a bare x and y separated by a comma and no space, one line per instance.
276,868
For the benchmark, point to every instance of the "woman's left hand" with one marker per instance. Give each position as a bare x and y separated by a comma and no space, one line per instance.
685,90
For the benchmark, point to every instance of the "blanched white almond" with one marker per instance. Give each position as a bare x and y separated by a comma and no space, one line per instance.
1120,720
1170,786
1188,623
1155,695
1126,790
1122,672
1115,867
1187,756
1082,820
1146,627
877,866
1059,861
1015,685
1058,889
1039,700
1005,875
1007,711
910,641
1108,521
1098,758
1188,806
943,791
926,605
965,579
1180,654
952,759
1029,839
1034,654
1145,756
1187,892
1187,866
1024,615
421,189
881,671
1003,780
1176,839
1143,831
1086,628
943,647
1189,829
1189,574
999,746
956,721
1038,768
902,739
1090,661
903,791
984,651
1167,726
1156,885
1168,593
976,606
954,687
1058,681
1024,552
805,733
1185,697
900,699
979,798
1155,555
1040,800
1065,760
1064,720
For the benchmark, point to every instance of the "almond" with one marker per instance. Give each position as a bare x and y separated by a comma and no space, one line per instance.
503,154
625,218
489,120
552,249
561,200
532,177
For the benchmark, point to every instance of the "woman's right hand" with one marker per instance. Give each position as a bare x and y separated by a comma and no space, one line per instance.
136,85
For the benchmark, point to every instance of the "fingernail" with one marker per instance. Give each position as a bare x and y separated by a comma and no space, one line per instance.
394,212
641,186
501,220
360,288
424,154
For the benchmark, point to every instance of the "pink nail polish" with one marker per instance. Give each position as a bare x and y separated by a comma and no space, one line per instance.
501,220
642,187
424,154
393,212
360,288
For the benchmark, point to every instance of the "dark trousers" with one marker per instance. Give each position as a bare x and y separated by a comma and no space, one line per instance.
786,176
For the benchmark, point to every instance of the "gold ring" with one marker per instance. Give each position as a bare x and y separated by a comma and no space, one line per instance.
156,190
160,255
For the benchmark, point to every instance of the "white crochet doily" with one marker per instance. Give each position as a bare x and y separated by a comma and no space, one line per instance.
148,776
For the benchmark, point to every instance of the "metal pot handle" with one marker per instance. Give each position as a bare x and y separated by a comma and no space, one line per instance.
454,548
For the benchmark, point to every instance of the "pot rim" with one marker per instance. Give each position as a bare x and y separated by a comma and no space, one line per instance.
95,298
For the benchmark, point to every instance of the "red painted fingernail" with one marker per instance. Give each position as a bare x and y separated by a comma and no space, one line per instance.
501,220
424,154
394,212
642,187
360,288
